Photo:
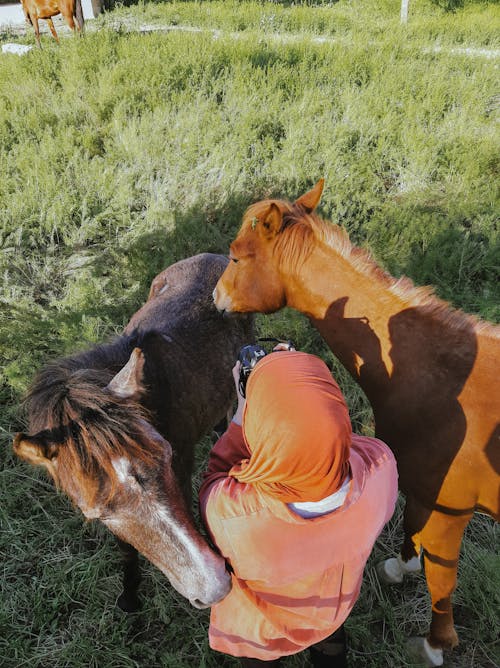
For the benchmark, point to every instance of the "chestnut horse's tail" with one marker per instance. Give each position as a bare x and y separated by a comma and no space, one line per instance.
79,14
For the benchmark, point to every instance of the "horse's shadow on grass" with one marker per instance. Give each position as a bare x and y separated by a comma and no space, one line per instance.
198,229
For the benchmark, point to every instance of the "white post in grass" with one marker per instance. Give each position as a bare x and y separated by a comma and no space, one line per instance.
404,10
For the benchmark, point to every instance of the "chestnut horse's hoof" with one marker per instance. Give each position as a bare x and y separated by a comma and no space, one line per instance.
393,570
128,603
420,648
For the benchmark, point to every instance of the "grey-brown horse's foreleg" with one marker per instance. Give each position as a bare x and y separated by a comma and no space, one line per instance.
129,600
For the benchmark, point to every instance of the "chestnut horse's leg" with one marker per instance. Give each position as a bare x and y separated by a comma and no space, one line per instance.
53,30
441,539
68,17
129,600
36,27
78,14
27,16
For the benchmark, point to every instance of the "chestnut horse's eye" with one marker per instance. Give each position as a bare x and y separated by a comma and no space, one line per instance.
233,259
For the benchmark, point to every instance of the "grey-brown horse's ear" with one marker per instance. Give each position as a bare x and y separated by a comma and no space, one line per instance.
128,382
272,221
34,450
310,200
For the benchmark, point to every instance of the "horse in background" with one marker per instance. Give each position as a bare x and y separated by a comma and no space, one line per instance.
34,10
116,426
429,371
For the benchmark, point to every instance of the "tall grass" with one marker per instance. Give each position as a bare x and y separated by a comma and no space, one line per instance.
121,153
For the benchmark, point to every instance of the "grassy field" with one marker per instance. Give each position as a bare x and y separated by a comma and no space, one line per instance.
121,153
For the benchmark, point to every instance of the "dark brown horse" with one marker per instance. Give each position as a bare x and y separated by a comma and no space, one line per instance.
34,10
429,371
116,426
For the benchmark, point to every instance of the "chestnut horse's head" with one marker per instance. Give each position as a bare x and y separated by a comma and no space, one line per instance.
252,282
95,440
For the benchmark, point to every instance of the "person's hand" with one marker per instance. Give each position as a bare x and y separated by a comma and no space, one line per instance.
238,416
283,346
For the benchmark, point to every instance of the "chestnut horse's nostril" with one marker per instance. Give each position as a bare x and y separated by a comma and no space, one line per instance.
215,298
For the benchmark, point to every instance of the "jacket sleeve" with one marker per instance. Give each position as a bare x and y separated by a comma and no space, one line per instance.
229,450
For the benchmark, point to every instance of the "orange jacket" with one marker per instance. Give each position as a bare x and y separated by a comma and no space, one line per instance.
295,580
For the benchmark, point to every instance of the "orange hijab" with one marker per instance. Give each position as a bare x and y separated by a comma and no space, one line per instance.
297,428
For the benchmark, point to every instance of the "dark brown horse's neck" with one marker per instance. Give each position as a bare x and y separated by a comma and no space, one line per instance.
110,356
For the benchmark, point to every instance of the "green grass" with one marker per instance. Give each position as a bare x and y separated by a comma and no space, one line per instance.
121,153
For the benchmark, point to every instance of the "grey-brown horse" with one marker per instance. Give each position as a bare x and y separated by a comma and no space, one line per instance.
116,426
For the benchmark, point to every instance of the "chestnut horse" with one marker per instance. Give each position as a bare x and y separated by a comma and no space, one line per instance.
116,426
429,371
46,9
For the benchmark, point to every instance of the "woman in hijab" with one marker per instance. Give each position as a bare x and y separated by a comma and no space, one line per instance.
294,501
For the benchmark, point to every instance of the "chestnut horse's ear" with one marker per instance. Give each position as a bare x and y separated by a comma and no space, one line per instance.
128,382
35,450
271,221
309,201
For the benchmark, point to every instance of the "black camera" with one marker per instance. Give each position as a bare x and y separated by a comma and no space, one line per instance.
249,356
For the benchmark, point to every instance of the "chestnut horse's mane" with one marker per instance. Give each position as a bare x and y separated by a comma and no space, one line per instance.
70,408
301,230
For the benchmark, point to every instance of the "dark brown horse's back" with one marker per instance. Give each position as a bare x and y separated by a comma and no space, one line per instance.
180,293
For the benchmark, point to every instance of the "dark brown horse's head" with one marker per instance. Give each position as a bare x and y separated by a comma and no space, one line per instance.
96,441
252,282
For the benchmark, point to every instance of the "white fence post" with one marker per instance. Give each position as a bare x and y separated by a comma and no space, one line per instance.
404,10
